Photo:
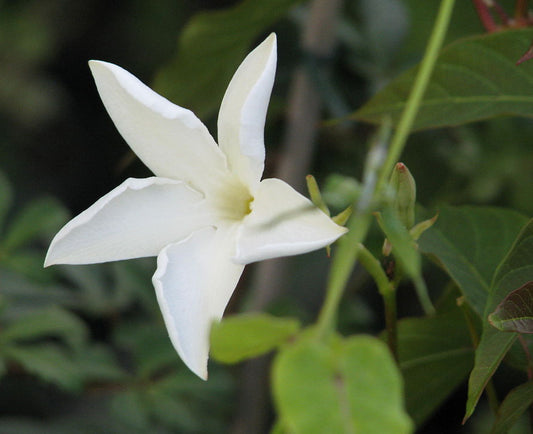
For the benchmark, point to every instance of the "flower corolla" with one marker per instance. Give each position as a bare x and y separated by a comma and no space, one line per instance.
206,212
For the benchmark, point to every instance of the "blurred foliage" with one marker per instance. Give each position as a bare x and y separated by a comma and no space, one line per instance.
84,349
210,49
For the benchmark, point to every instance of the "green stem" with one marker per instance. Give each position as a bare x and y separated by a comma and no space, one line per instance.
374,268
417,92
423,296
343,262
387,289
391,323
484,15
520,9
346,255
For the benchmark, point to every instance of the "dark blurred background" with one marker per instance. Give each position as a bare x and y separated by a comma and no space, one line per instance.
86,349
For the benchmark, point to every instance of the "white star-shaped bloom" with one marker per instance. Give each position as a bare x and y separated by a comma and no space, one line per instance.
206,213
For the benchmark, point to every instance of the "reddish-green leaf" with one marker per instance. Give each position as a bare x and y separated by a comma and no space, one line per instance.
515,312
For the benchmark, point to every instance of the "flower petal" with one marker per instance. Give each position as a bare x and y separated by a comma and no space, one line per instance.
138,218
194,282
241,119
169,139
283,223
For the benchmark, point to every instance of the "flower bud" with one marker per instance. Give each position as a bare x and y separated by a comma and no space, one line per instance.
402,185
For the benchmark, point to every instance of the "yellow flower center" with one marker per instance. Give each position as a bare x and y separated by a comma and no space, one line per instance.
233,200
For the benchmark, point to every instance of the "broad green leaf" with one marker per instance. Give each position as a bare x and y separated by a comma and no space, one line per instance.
242,337
513,406
435,355
42,217
474,78
51,322
353,386
48,362
513,272
5,198
210,49
468,243
422,14
515,312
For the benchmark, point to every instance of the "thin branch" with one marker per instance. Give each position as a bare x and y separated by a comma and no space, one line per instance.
484,15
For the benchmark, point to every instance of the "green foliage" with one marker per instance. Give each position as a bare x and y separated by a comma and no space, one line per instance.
460,89
210,48
91,340
515,270
241,337
469,243
5,198
48,322
341,191
349,385
48,361
43,217
513,406
429,347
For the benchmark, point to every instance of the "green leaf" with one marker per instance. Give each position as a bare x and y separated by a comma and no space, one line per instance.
42,217
241,337
149,345
422,15
341,191
468,243
50,322
131,408
28,296
513,406
47,361
210,48
461,88
429,347
97,363
514,271
5,198
515,312
28,262
352,387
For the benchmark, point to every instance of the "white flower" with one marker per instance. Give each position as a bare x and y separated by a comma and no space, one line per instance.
206,213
